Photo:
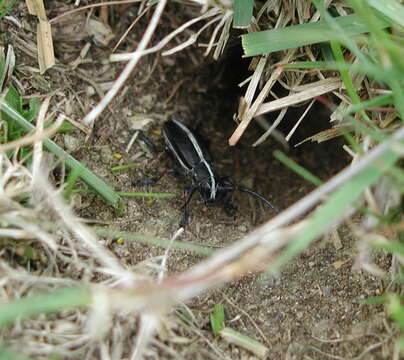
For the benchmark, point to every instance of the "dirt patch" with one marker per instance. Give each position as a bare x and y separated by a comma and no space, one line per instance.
311,309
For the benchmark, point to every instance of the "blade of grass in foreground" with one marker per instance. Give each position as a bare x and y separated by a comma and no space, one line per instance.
128,194
44,304
381,100
265,42
86,175
390,8
305,174
6,354
155,241
151,195
243,10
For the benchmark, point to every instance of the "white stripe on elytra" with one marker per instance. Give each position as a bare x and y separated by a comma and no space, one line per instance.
176,154
200,154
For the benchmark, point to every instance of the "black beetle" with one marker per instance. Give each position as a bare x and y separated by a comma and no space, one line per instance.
193,160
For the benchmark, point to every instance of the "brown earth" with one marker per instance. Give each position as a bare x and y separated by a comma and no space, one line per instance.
311,310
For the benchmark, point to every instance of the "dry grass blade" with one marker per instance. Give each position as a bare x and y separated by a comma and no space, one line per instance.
9,65
102,4
81,232
251,112
271,128
328,134
162,43
314,89
252,86
234,337
36,7
46,57
37,155
291,132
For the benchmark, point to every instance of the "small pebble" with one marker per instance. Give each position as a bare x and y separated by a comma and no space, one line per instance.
72,143
90,90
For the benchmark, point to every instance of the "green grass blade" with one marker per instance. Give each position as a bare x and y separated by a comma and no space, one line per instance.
129,194
265,42
86,175
71,181
387,51
398,94
6,354
395,308
348,40
243,10
123,167
217,318
390,8
305,174
345,76
381,100
371,70
44,304
154,241
398,175
5,8
375,300
150,195
394,248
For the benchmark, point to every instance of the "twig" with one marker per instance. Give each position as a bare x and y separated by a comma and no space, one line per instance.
176,235
96,111
67,13
37,155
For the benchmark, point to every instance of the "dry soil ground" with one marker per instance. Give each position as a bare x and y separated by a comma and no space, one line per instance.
311,310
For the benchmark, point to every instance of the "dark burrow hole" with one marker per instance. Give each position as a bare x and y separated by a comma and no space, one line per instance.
256,167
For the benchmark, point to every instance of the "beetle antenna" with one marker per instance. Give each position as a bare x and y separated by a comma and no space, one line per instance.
258,196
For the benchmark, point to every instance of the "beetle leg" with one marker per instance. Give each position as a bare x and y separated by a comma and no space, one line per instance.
229,208
155,179
175,172
188,196
147,181
151,146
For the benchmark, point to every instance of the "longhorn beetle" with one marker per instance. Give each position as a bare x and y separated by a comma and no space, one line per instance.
193,160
